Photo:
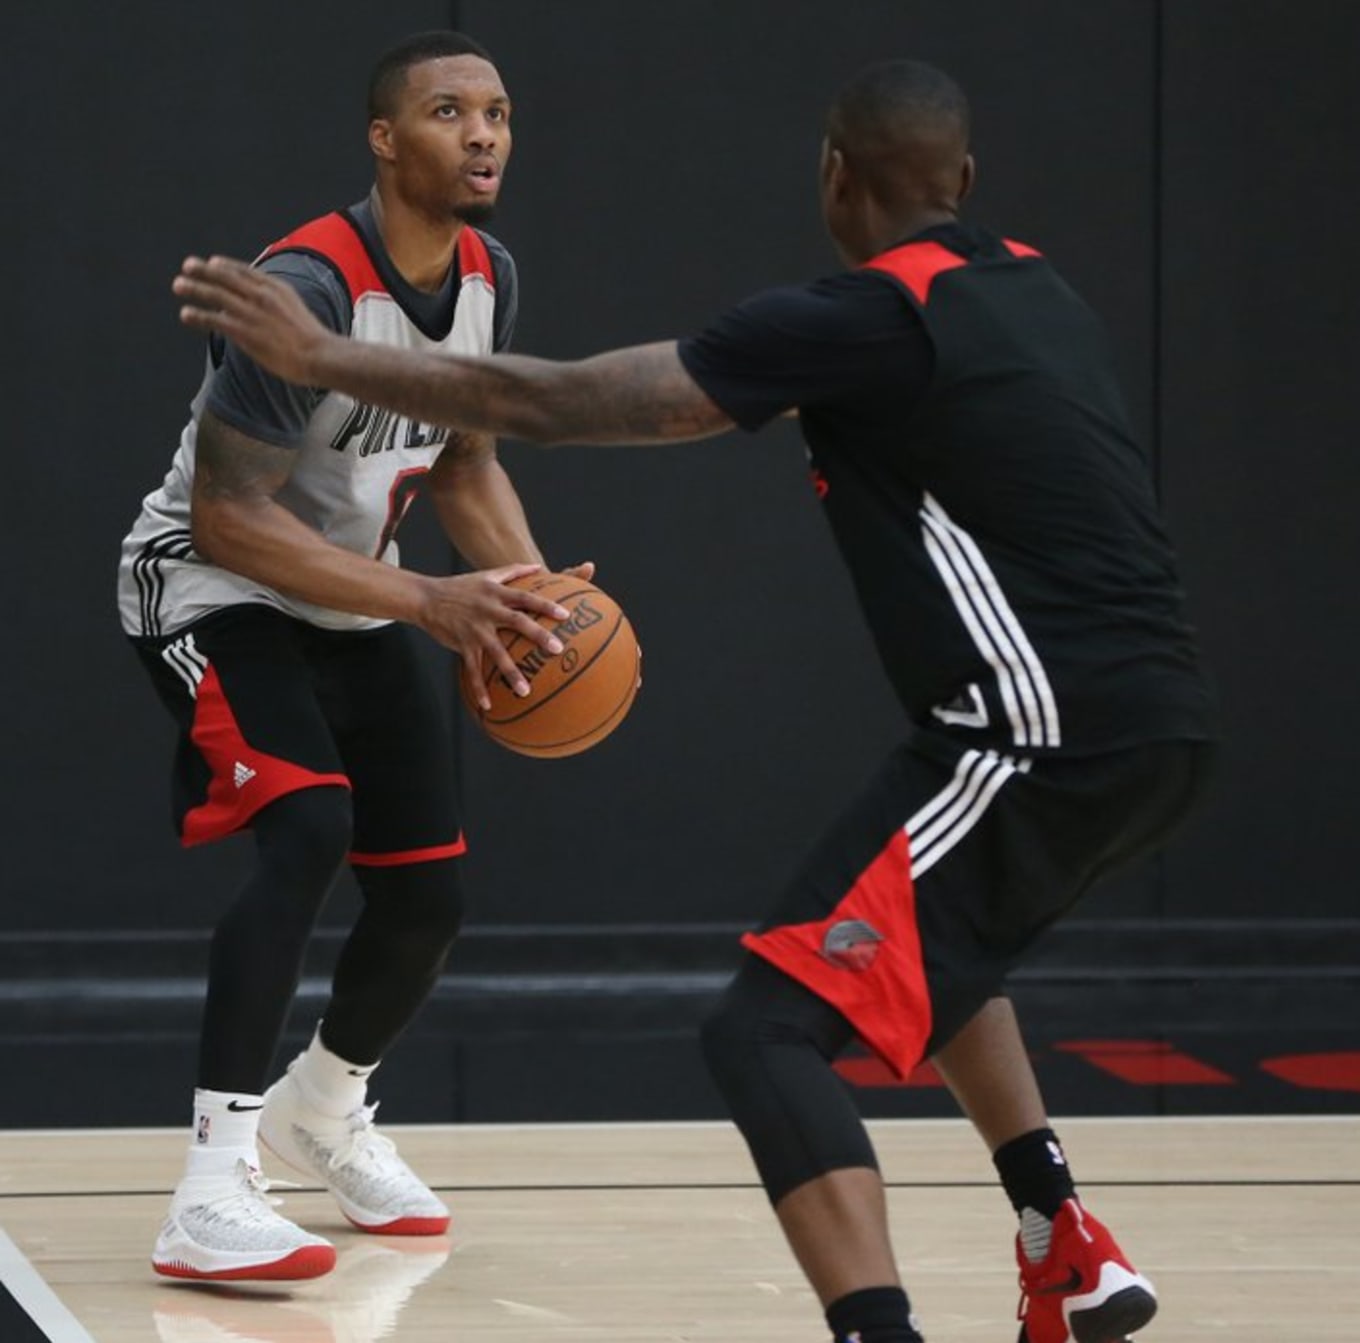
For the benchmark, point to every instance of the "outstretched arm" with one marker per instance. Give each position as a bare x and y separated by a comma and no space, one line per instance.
642,394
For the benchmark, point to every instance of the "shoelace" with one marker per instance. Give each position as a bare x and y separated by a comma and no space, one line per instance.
363,1142
252,1192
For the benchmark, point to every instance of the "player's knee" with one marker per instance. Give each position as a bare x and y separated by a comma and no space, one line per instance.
424,900
731,1038
306,835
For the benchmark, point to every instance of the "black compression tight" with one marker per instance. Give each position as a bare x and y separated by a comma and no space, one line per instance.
393,956
301,840
769,1046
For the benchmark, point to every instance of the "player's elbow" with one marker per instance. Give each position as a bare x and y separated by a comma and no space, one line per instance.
217,530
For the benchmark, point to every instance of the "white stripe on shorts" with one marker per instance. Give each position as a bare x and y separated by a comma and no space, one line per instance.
957,807
187,662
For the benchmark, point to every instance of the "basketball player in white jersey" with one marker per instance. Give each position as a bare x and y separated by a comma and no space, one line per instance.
260,585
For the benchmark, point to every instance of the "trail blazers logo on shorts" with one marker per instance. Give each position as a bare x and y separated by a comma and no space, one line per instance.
851,944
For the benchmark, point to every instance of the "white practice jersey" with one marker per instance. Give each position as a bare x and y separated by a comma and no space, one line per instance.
357,467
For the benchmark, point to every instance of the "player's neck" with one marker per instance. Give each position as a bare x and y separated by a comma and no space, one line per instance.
420,248
905,224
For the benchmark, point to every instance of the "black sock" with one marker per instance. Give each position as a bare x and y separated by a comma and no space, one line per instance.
1034,1172
874,1315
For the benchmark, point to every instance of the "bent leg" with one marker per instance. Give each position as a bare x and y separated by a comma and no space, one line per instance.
770,1046
392,957
257,948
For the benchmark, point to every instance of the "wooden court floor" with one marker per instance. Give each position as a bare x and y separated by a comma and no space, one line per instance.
625,1233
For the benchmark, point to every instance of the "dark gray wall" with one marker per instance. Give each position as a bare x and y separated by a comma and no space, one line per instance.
1184,164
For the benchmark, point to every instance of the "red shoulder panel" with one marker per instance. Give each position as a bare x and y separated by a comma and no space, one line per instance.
333,236
473,257
916,265
1021,248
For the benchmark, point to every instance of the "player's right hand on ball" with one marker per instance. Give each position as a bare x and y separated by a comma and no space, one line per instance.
468,611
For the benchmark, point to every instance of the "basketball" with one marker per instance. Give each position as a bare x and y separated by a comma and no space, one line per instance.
576,698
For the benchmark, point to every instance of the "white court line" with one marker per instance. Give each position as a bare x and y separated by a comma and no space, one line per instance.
691,1125
44,1307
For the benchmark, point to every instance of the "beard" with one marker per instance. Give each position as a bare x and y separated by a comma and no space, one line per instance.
476,212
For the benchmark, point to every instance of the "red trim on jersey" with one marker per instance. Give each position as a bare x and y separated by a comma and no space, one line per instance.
473,257
916,264
405,856
336,239
887,1002
1021,248
265,778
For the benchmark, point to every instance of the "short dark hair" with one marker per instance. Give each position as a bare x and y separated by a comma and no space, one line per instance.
894,98
389,72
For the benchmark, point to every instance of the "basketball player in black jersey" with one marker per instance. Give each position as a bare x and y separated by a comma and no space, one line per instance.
975,463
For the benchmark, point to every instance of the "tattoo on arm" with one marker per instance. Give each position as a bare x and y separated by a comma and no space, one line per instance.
232,467
636,395
639,395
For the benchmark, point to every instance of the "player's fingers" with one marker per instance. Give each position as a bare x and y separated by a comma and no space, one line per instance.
475,680
530,629
533,604
203,319
507,573
202,294
505,664
585,571
235,274
218,274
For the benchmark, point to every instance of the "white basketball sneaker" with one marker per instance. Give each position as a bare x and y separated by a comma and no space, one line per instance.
223,1228
374,1187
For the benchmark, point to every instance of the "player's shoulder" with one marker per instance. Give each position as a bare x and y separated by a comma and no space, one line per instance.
503,268
841,300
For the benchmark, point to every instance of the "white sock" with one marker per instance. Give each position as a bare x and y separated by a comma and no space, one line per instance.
1036,1234
329,1083
225,1124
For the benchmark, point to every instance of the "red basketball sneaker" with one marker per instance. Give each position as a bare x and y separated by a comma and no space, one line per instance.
1085,1291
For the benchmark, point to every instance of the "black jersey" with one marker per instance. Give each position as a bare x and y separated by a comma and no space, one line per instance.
974,458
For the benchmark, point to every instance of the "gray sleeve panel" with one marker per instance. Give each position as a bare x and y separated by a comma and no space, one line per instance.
507,292
257,403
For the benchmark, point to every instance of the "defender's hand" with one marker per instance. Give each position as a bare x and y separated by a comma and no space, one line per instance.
255,311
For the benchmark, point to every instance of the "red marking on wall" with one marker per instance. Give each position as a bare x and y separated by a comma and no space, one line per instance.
1337,1071
1146,1063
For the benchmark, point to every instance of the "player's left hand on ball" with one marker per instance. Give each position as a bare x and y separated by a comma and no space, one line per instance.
255,311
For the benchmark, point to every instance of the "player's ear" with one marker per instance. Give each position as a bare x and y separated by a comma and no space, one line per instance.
834,172
380,139
967,176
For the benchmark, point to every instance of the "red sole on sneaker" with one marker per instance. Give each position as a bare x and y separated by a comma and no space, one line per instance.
311,1261
407,1226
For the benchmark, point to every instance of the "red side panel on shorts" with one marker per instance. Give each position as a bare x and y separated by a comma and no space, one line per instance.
243,779
916,265
878,985
473,257
334,237
405,856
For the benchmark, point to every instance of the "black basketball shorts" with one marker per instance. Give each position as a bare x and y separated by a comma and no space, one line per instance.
913,908
267,705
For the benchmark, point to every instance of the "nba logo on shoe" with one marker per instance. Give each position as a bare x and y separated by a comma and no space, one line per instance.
851,944
204,1125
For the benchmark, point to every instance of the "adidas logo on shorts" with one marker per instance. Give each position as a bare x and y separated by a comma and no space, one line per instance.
242,774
